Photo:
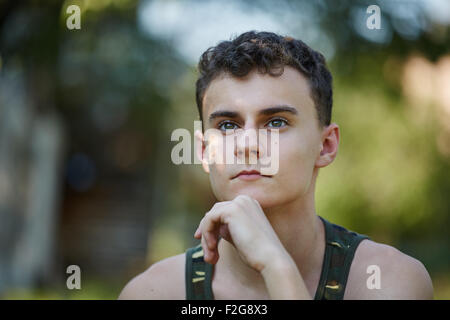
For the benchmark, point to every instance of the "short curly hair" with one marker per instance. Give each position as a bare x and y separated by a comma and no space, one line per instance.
268,53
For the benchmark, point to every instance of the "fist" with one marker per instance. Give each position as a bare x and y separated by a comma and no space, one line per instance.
243,223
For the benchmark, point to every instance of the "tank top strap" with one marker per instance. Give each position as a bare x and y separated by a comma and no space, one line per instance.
198,275
340,249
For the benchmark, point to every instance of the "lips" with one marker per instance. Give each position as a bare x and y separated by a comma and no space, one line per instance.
249,175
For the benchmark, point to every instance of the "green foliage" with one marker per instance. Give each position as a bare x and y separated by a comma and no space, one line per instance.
121,92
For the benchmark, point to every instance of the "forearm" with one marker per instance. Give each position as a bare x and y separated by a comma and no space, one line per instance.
284,281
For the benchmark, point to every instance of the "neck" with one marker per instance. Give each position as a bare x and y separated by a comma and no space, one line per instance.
300,231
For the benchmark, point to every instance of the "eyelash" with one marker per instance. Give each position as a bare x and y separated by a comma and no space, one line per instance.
232,122
282,119
225,122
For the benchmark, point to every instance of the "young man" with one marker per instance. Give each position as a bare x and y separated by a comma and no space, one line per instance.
263,238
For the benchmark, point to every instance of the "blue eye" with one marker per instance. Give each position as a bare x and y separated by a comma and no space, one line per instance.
277,123
226,125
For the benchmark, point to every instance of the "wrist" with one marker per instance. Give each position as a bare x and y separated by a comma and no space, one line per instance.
284,281
278,265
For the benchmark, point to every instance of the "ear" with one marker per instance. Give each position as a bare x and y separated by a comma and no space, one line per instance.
329,145
200,148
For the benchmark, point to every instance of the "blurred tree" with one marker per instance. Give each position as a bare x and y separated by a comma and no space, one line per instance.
106,87
86,116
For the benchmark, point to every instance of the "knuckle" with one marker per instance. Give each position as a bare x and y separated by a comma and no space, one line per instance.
208,215
242,197
215,207
233,207
240,201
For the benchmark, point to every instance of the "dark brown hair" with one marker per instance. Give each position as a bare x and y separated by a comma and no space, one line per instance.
268,53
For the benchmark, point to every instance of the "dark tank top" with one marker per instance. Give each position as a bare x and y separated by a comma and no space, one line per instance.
340,249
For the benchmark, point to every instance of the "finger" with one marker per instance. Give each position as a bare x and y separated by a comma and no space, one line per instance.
200,233
208,254
205,249
215,206
211,228
197,233
210,242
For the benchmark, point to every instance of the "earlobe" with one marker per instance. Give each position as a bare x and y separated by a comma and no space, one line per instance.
200,148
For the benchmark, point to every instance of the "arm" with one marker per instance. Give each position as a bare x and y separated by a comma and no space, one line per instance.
402,277
134,289
284,281
406,279
164,280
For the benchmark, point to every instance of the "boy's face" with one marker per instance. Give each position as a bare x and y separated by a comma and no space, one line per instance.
303,145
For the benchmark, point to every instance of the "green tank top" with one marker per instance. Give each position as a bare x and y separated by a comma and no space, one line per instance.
340,249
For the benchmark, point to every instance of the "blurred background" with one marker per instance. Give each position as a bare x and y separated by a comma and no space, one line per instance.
86,117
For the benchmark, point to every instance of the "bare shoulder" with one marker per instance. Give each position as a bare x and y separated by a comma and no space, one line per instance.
163,280
380,271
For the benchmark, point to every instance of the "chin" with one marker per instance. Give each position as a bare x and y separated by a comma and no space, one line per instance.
266,199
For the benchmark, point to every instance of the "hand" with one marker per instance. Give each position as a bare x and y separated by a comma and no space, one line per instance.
243,223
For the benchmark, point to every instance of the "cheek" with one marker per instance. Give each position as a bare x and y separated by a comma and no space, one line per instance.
218,180
296,163
292,165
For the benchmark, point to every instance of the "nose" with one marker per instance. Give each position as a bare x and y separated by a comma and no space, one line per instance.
247,148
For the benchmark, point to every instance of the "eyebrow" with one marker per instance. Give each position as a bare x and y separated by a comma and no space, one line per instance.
277,109
266,112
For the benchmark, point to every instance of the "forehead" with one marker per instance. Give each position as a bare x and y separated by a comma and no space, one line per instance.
257,91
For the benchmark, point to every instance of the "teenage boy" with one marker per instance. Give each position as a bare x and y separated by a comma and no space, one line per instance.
263,238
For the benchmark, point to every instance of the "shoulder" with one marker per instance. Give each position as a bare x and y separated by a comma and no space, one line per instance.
164,280
380,271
